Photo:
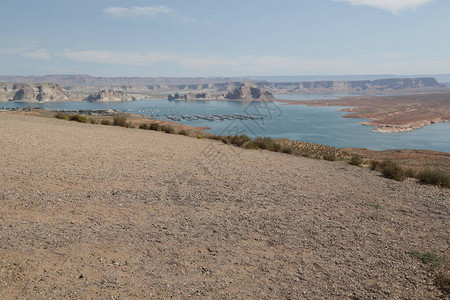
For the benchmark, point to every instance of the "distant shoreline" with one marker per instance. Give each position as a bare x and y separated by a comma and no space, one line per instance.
389,114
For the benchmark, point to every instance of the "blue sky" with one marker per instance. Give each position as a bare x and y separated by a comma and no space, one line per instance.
224,38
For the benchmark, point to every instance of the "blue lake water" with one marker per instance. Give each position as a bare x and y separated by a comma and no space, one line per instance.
322,125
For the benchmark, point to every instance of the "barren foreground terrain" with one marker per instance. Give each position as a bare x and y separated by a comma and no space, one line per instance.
101,212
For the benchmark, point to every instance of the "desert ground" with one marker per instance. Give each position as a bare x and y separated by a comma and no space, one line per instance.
102,212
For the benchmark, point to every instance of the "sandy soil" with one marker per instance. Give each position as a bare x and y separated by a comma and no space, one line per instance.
100,212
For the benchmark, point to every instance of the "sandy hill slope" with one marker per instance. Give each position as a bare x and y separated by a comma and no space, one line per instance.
100,212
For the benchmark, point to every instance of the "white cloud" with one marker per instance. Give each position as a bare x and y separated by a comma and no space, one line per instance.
26,52
393,6
137,11
265,65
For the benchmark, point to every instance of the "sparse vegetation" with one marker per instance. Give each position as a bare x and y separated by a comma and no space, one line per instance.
356,161
143,126
93,121
287,150
371,204
330,157
442,278
78,118
237,140
120,121
435,177
154,127
62,116
392,171
167,129
106,122
182,132
265,143
427,257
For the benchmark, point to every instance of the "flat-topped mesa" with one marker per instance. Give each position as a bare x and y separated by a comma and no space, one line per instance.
109,95
360,86
41,92
249,92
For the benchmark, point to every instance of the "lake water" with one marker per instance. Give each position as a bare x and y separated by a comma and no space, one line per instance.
322,125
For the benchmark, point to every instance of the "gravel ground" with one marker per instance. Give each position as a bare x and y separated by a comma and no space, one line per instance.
99,212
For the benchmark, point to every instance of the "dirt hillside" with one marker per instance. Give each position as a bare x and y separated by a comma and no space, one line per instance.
101,212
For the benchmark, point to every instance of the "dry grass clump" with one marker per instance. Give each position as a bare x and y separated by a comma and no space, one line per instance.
143,126
106,122
182,132
78,118
330,157
93,121
356,161
434,177
120,121
265,143
154,127
440,266
237,140
167,129
62,116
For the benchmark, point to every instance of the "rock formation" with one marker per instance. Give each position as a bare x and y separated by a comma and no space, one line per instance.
244,91
41,92
109,95
249,92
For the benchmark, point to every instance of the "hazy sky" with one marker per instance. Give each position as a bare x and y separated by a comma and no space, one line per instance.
224,38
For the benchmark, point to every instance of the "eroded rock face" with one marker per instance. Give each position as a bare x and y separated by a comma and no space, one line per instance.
110,95
41,92
248,91
51,92
26,92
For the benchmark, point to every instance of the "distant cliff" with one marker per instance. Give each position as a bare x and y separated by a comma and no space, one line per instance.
41,92
109,95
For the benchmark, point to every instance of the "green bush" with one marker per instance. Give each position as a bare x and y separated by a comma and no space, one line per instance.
143,126
79,118
356,161
435,177
200,137
120,121
154,127
167,129
106,122
392,171
62,116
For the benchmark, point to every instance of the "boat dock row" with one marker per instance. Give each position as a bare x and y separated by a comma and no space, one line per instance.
212,117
